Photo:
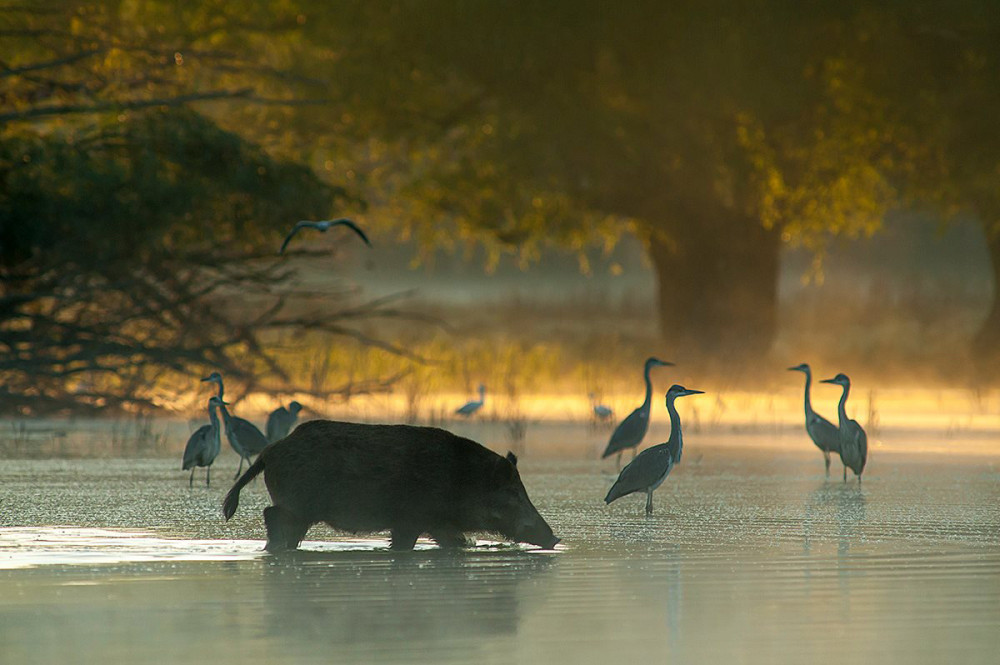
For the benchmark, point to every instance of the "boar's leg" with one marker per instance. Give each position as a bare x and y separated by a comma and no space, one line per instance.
284,530
450,539
404,538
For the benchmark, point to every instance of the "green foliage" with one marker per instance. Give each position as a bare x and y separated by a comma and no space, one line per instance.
569,122
134,204
105,196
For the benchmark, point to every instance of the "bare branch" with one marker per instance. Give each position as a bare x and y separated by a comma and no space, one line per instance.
49,64
124,105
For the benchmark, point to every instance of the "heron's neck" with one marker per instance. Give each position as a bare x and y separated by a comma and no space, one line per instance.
675,441
841,410
649,388
216,430
809,409
225,415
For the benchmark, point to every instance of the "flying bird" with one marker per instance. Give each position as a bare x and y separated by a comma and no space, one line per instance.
652,466
853,440
630,431
323,226
824,434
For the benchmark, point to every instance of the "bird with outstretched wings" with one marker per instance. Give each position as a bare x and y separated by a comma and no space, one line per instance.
324,226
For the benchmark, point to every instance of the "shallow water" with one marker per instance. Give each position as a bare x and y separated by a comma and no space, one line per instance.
752,556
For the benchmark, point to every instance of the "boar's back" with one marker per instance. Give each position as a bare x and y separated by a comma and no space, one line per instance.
371,477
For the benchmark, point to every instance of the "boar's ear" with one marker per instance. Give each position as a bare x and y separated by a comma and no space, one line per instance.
512,458
505,471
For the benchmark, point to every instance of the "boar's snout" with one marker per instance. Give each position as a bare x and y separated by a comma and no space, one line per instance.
547,541
525,525
538,532
517,518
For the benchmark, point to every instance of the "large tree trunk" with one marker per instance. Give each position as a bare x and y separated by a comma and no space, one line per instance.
718,283
986,343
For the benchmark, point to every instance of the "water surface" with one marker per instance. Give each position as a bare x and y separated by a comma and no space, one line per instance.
751,556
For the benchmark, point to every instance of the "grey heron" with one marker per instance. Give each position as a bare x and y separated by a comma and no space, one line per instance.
323,226
204,445
216,378
630,431
469,408
281,420
244,437
601,411
853,440
824,434
652,466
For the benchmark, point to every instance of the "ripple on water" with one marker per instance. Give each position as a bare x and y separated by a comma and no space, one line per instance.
743,561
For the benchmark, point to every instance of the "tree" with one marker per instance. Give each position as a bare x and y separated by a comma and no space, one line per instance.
955,106
130,222
935,70
716,134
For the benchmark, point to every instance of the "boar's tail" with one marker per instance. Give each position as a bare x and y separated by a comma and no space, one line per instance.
232,500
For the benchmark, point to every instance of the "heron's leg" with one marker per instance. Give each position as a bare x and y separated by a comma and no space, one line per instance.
845,473
826,458
239,470
208,476
191,479
404,539
618,462
649,502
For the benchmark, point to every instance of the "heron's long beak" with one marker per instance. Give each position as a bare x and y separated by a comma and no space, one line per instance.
797,368
828,381
689,391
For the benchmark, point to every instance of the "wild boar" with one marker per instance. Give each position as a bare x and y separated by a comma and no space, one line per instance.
404,479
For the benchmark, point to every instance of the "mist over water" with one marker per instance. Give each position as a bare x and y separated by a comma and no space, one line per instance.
752,555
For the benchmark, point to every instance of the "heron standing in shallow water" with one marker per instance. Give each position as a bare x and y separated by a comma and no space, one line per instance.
824,434
602,412
853,440
204,445
469,408
323,226
652,466
281,420
630,431
244,437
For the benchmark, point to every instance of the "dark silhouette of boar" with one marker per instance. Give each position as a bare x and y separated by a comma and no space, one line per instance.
408,480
